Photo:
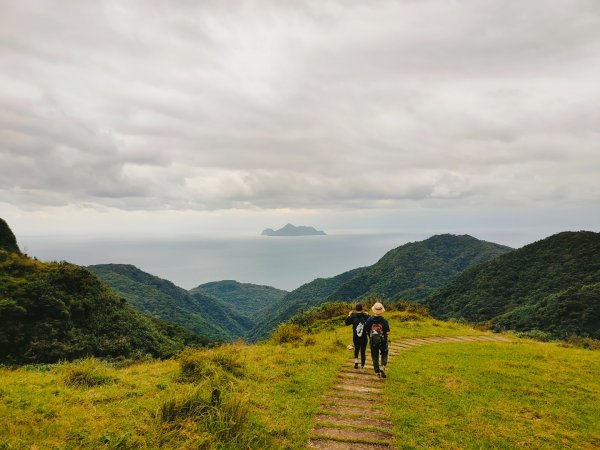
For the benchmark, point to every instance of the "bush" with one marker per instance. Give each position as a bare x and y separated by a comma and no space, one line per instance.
404,306
323,312
87,373
537,335
309,341
288,332
584,342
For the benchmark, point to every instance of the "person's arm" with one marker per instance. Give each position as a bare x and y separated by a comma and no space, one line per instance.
368,324
349,319
386,328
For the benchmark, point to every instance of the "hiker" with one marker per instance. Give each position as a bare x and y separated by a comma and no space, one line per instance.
357,319
378,329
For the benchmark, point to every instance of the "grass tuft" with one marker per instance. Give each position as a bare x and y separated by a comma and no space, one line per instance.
87,373
201,364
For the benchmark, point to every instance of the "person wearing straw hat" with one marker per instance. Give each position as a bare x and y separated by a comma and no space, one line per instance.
378,329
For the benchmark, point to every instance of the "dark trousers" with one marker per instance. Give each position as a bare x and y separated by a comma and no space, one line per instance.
360,344
377,350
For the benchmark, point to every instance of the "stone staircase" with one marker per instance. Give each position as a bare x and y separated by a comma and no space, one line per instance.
352,416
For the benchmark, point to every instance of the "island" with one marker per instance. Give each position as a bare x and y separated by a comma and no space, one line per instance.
291,230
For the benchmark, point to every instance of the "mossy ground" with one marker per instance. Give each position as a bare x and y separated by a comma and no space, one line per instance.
450,395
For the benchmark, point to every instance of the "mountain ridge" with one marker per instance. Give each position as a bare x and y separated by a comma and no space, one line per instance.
552,285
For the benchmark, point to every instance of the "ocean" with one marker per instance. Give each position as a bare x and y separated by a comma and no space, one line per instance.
188,261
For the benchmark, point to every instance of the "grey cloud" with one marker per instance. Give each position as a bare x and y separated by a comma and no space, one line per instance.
269,104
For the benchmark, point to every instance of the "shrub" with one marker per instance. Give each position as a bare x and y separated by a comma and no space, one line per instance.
87,373
288,332
584,342
538,335
309,341
322,312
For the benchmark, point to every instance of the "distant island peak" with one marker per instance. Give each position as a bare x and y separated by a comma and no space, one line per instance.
291,230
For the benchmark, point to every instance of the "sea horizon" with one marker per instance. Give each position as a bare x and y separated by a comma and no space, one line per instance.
189,260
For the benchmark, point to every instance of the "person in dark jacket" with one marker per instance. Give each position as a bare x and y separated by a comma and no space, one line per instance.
357,319
378,330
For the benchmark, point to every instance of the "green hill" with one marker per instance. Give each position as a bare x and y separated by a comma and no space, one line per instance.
198,312
8,241
412,271
250,300
552,285
56,311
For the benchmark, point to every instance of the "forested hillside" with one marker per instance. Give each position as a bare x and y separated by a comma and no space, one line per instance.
412,272
198,312
551,285
250,300
56,311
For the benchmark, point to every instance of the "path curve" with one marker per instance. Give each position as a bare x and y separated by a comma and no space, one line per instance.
352,417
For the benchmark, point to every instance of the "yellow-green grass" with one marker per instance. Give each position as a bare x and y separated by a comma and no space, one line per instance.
274,388
268,393
495,395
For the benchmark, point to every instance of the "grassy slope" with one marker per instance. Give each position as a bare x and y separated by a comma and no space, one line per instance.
487,394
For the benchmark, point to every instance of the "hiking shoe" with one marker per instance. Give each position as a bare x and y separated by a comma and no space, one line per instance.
362,368
378,374
356,365
382,373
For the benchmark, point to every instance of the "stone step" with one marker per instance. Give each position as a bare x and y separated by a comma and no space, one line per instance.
365,421
357,411
350,434
368,372
358,388
360,402
363,380
329,444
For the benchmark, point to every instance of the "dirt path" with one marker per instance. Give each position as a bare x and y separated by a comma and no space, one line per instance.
352,416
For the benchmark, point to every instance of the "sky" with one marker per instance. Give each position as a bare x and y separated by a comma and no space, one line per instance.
165,117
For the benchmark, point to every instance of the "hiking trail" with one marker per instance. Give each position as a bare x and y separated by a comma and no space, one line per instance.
352,414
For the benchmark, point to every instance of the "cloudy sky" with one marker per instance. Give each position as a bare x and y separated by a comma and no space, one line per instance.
208,115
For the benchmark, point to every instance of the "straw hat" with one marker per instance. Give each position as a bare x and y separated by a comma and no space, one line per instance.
378,309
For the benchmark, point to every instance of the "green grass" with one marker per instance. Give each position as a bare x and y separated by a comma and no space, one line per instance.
473,395
268,395
488,395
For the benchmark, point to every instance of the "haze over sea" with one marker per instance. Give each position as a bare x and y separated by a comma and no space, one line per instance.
282,262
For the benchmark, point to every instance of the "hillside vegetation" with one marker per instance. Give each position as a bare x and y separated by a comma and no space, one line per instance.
412,272
148,293
552,285
57,311
223,310
266,396
250,300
